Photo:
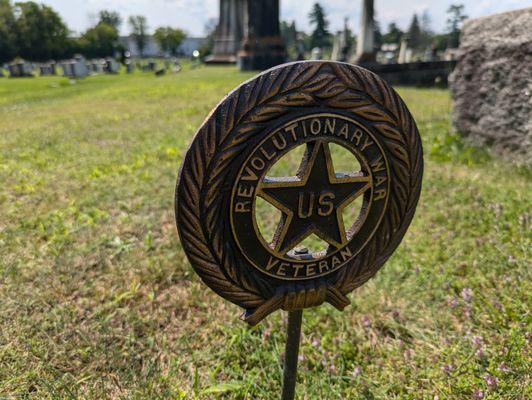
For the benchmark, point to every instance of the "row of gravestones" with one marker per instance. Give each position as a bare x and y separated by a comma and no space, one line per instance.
77,67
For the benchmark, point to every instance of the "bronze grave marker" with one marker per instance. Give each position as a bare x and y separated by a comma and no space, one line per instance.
227,171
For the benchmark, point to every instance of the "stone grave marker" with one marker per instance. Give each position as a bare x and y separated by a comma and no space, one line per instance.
20,69
75,68
492,83
365,53
48,69
130,67
316,54
262,45
96,66
111,66
229,32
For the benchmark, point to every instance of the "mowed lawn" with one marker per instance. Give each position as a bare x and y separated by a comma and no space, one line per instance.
97,299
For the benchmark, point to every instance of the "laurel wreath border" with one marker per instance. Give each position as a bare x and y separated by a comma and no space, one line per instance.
248,109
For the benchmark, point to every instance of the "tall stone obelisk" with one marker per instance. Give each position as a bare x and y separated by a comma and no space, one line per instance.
366,38
229,32
263,46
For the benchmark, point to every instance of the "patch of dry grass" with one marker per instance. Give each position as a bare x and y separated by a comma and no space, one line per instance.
98,301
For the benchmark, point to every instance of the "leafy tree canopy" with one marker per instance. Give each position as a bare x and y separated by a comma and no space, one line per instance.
170,39
99,41
393,35
40,32
455,19
414,33
7,32
110,18
139,28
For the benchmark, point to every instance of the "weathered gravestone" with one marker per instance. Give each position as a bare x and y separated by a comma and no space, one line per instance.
229,32
405,52
96,66
317,105
365,53
492,83
76,67
262,45
130,67
111,66
316,54
48,69
20,69
248,33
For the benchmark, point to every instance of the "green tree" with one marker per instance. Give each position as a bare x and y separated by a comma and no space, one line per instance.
455,19
40,32
289,34
414,33
170,39
427,35
102,39
7,32
320,36
441,41
99,41
110,18
393,35
139,30
426,22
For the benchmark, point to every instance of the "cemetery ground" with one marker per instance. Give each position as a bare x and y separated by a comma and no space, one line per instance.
97,299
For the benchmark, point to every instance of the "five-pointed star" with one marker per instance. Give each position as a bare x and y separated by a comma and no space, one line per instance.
313,200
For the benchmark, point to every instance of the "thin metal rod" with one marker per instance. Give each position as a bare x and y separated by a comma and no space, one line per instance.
291,354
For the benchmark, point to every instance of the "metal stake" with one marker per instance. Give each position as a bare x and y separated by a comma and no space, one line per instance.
293,337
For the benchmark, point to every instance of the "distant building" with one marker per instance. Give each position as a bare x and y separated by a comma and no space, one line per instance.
153,49
190,44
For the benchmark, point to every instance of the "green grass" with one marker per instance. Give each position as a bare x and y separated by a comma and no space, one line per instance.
98,301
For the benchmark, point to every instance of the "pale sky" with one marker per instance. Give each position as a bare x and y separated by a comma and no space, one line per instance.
192,15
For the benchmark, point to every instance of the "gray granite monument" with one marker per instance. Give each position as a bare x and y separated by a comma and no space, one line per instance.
20,69
229,32
248,33
76,67
405,52
492,83
365,53
262,45
48,69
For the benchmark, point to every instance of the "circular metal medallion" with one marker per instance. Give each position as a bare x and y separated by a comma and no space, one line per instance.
243,223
